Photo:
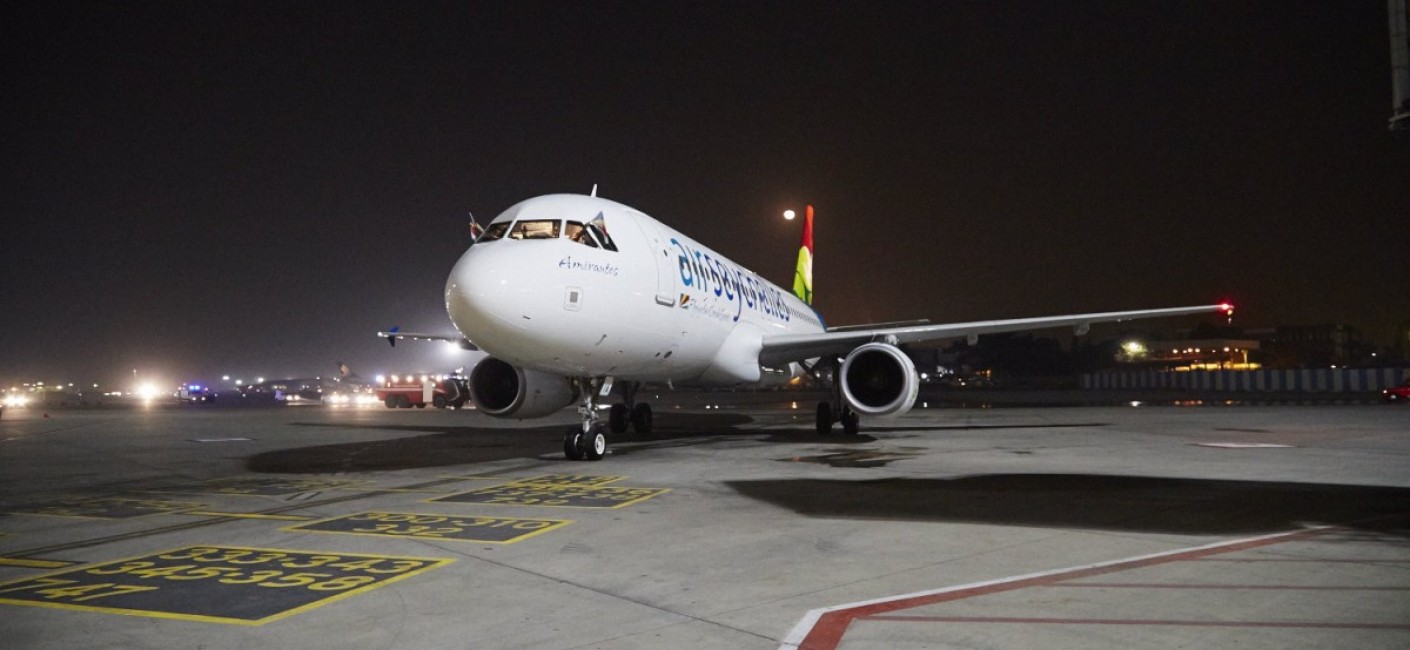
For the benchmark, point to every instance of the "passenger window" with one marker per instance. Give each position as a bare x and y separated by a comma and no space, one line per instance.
535,229
579,233
495,231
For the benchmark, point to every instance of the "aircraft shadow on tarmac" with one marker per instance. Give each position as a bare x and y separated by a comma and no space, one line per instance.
1096,502
445,446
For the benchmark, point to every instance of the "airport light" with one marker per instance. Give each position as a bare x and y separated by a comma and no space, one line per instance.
789,214
148,391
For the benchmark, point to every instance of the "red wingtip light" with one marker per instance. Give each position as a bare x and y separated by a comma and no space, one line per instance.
1227,308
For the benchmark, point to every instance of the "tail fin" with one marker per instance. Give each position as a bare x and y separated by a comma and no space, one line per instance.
803,274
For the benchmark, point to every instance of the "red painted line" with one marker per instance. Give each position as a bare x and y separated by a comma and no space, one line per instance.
826,633
1301,561
1152,585
1099,621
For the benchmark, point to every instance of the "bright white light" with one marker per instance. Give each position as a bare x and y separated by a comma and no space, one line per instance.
225,377
789,214
381,379
259,380
148,391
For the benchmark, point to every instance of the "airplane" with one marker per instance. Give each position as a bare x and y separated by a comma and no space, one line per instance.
311,388
574,295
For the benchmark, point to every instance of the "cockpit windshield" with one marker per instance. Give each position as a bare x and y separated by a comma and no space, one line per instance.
577,232
535,229
592,234
495,231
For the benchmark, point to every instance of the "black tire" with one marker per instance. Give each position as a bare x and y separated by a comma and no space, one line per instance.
595,444
642,418
851,422
391,401
438,401
617,418
421,405
571,447
403,401
824,418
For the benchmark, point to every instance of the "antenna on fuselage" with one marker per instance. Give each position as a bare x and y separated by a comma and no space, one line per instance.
594,190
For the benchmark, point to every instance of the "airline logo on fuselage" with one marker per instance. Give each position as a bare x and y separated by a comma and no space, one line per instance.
705,274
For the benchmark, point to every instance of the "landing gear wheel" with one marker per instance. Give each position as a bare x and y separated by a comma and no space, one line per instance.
824,418
641,418
596,444
617,418
572,444
851,422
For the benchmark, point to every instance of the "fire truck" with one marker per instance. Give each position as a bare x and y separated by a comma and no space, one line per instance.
406,391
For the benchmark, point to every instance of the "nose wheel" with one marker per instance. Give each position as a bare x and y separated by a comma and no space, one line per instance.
589,440
585,446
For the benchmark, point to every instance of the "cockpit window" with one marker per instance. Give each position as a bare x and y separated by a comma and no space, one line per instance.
535,229
495,231
579,233
598,227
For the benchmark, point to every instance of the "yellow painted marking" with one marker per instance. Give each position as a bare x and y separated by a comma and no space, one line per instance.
460,528
203,564
554,496
397,490
34,564
247,515
571,480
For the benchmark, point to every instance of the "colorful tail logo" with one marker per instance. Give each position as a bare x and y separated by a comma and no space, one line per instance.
803,275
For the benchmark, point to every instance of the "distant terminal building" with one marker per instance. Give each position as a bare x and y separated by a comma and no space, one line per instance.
1189,355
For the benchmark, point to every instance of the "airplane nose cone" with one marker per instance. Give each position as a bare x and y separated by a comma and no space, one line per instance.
479,296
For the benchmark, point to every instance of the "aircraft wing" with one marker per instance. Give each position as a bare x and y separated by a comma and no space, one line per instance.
784,348
395,334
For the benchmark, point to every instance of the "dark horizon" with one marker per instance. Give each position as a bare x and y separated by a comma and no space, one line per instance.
207,188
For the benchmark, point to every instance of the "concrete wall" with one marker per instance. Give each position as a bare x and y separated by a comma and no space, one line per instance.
1305,380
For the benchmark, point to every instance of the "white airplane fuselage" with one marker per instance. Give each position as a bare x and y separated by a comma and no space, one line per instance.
662,307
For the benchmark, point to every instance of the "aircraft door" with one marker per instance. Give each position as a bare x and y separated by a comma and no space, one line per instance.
666,264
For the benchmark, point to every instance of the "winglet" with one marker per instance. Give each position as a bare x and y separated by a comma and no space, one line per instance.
392,335
803,274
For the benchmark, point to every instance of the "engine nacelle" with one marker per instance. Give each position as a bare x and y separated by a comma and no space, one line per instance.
879,379
504,391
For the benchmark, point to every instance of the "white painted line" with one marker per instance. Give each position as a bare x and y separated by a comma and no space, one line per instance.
1243,445
800,632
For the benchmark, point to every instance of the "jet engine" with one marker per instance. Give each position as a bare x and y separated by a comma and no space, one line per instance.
504,391
879,379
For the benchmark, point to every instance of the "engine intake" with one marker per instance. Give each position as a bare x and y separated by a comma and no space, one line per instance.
879,379
503,391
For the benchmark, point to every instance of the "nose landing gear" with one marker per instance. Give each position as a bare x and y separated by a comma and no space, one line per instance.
587,441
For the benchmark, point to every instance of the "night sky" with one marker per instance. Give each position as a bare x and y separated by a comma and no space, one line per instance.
256,188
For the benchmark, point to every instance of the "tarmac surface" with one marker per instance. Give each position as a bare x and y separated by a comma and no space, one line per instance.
733,525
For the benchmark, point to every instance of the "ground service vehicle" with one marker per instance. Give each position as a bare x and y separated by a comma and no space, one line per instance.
419,390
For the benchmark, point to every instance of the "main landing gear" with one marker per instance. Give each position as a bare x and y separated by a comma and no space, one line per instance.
835,409
588,441
629,412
